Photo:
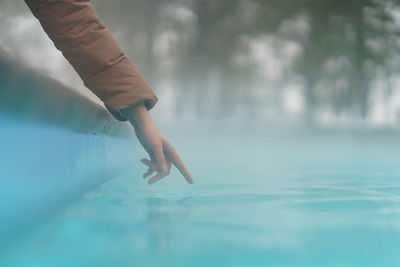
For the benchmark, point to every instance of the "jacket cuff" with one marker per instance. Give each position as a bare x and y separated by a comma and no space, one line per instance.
121,87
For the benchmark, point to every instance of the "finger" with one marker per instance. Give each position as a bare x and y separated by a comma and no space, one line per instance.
177,161
148,173
149,164
152,158
157,177
160,158
161,174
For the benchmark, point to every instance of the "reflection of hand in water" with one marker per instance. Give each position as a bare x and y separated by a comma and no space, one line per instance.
160,150
158,223
162,215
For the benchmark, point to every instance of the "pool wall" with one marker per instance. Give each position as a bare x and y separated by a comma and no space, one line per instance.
55,144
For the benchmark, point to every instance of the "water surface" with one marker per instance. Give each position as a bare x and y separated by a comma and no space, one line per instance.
269,200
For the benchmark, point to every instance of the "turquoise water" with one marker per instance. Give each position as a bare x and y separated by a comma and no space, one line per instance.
43,166
269,200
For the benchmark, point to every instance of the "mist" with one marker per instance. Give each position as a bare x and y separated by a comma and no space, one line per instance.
309,62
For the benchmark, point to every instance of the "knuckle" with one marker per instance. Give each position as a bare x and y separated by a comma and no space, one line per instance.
157,145
172,149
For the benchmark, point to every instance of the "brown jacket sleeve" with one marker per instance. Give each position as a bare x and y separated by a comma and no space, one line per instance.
76,31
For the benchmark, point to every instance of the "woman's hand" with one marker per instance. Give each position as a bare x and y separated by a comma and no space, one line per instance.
162,153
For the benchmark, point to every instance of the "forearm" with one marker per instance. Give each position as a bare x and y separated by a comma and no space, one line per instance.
75,29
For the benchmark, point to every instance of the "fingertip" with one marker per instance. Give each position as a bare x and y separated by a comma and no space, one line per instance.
188,178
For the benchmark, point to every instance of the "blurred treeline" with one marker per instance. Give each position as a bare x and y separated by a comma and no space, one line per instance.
313,60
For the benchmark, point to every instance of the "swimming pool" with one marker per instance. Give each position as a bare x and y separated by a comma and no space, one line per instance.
266,199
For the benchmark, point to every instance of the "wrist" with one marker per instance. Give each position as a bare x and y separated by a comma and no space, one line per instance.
137,114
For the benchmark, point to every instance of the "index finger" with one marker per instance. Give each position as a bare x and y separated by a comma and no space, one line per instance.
178,163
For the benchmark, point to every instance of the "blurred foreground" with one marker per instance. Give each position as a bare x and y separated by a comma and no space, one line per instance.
284,199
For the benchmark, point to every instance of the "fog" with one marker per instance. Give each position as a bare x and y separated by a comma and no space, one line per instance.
308,62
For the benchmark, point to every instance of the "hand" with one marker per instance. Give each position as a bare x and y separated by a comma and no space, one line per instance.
162,153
